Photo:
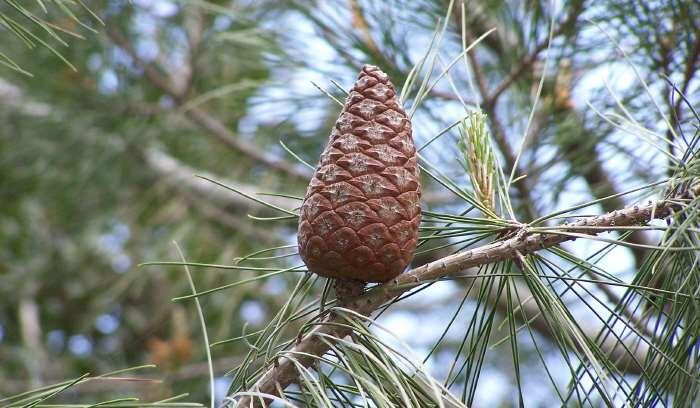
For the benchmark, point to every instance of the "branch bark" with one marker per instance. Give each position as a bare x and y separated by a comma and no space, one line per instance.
309,347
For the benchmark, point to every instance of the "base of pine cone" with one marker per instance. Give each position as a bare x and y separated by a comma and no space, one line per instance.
347,290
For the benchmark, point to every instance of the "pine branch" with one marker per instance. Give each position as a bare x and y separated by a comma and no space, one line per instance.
596,175
310,347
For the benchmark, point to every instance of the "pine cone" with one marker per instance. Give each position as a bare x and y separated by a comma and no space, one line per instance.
359,219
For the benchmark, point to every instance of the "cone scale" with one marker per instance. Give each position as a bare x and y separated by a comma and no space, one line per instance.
359,219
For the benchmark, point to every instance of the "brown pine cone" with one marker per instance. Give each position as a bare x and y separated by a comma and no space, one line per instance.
359,219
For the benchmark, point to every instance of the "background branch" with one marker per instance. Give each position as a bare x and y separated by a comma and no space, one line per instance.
204,120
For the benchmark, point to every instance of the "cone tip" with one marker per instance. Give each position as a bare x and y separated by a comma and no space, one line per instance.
375,72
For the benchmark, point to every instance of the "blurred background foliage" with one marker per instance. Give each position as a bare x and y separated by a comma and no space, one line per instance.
99,147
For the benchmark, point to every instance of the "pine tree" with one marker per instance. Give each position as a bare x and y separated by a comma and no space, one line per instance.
558,248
